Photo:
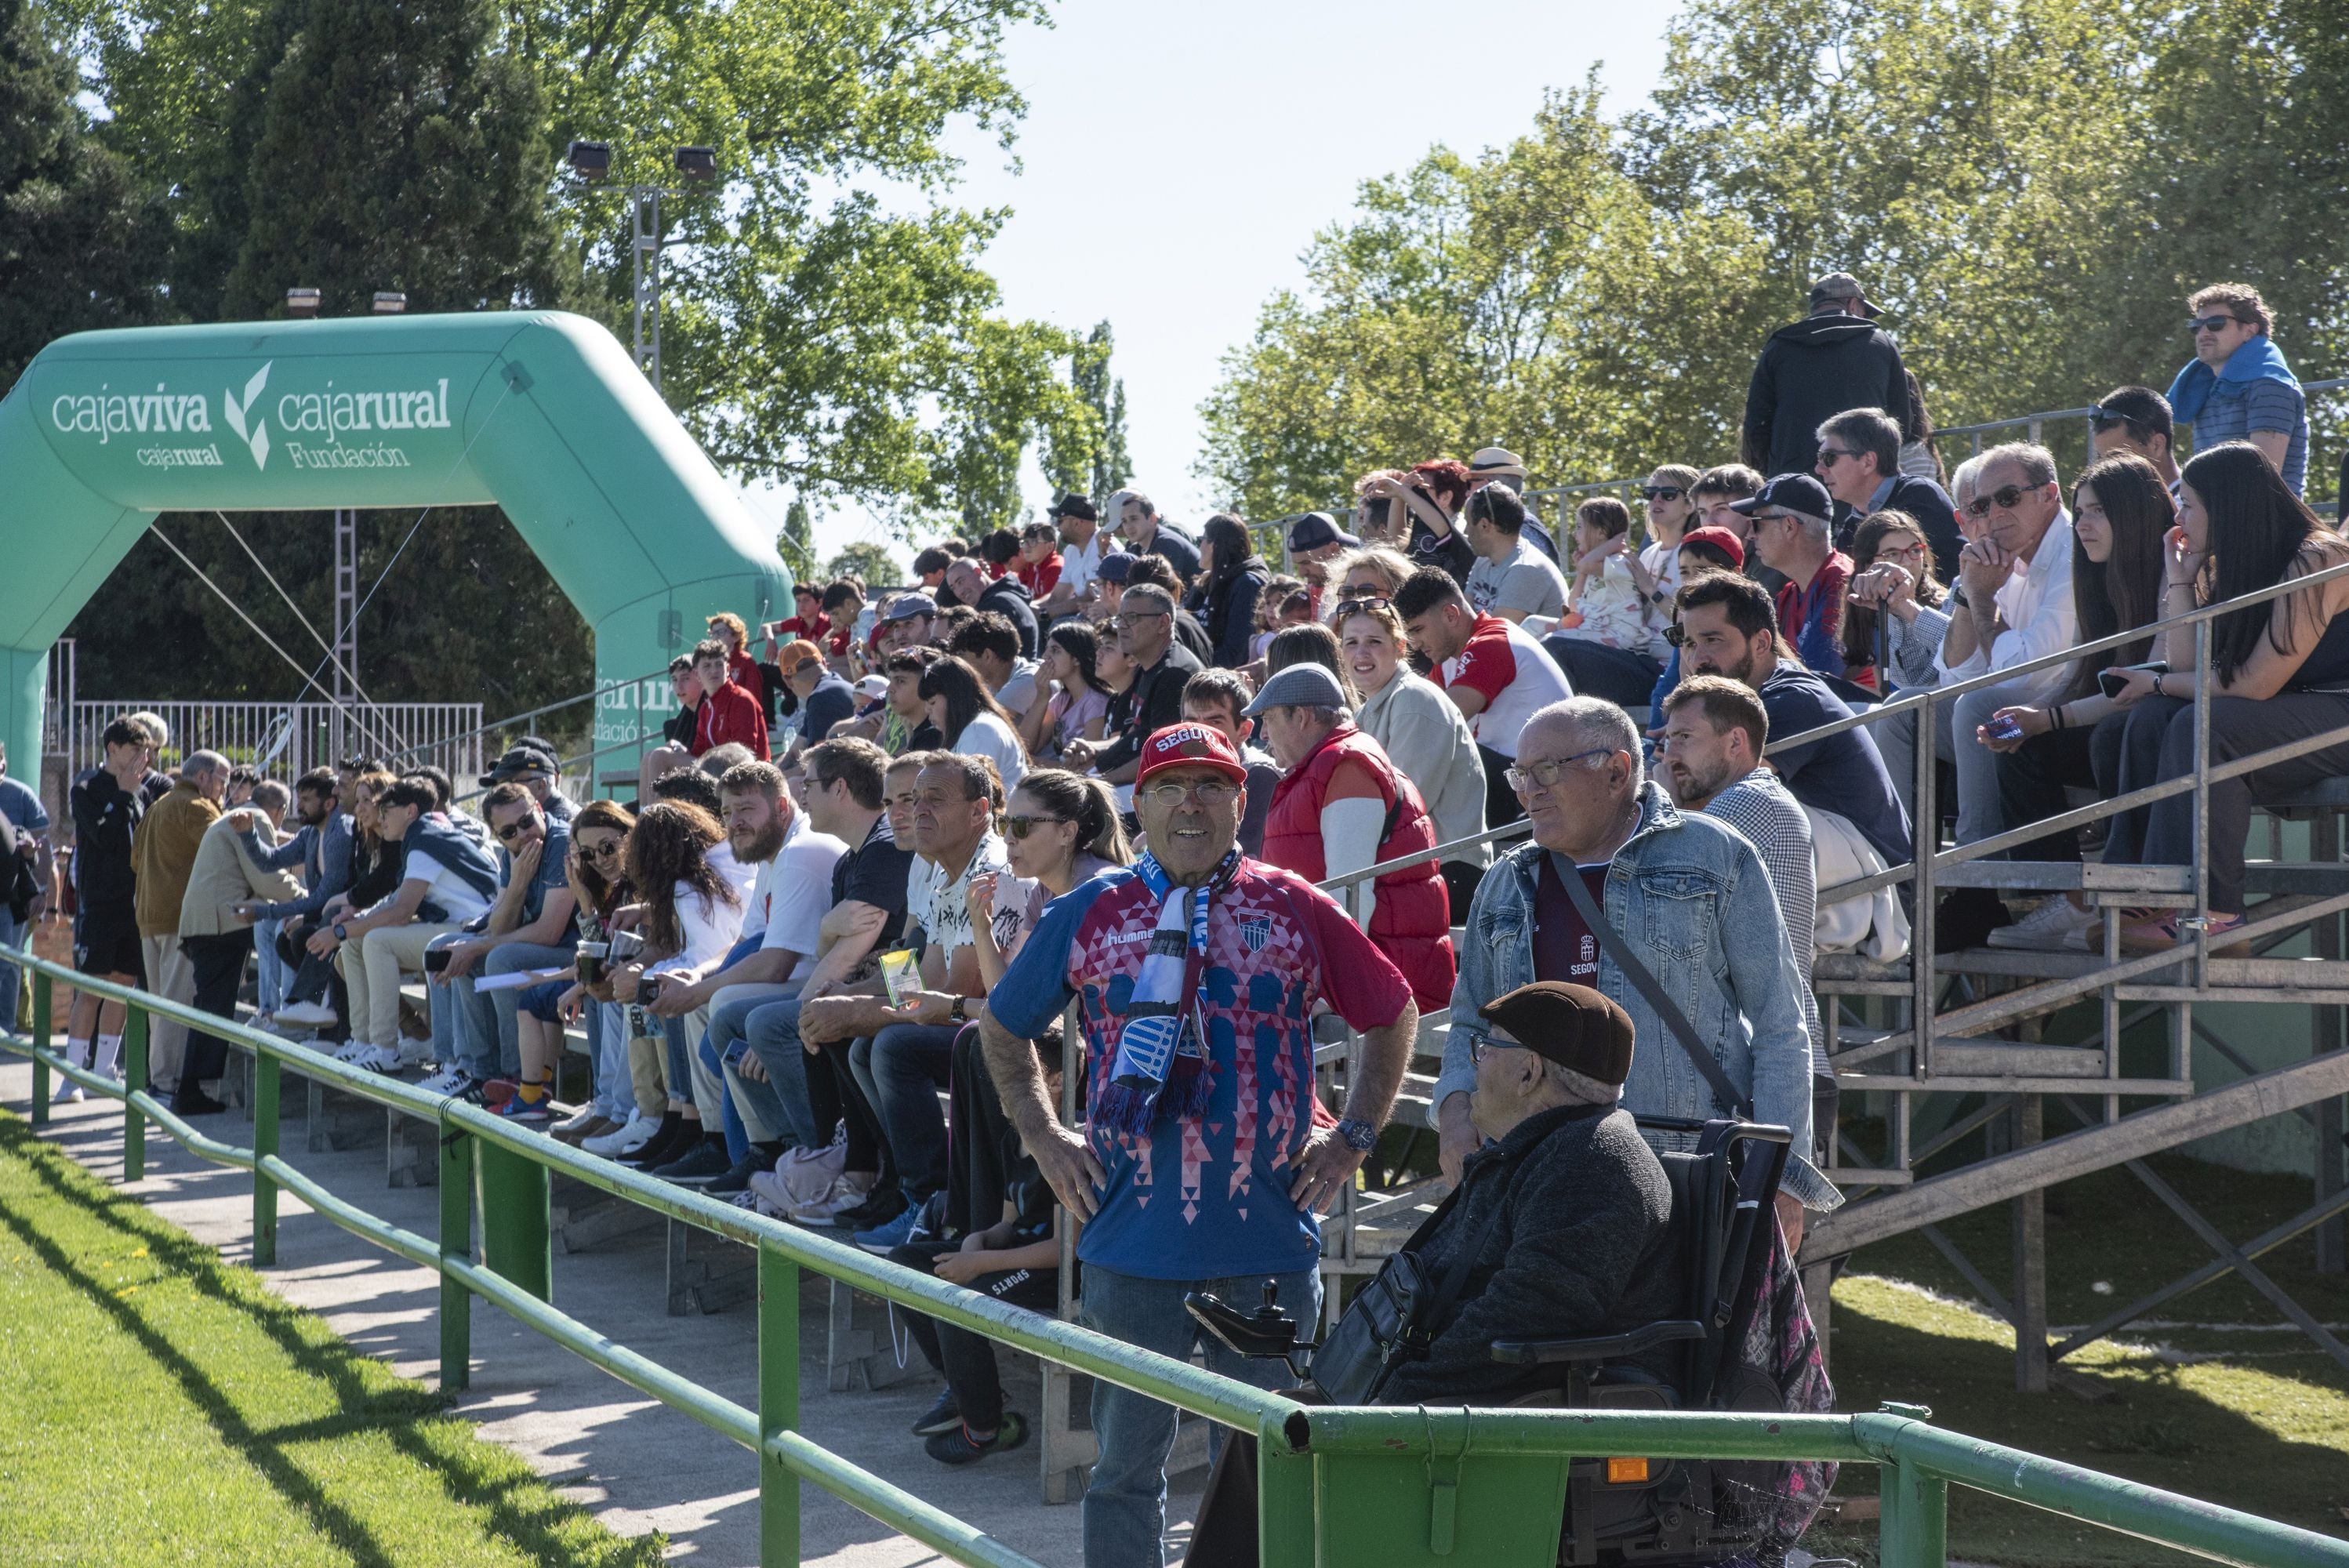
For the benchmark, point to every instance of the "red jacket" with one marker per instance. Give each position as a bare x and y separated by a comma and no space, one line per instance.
1412,921
730,714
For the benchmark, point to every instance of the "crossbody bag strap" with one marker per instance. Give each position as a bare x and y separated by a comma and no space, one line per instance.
1647,985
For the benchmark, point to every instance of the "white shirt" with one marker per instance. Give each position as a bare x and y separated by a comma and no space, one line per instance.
1080,563
988,735
710,929
2035,603
939,907
1663,563
456,897
802,896
742,878
1518,674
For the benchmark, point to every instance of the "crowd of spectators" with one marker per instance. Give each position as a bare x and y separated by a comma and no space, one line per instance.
820,963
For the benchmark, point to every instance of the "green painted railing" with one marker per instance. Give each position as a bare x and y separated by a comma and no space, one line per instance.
1382,1486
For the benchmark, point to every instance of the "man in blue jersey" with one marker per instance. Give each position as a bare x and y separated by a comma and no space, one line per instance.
1197,972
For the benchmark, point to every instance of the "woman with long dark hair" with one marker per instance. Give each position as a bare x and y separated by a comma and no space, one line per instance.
1078,708
1895,595
1231,580
2278,670
973,723
2121,512
622,1115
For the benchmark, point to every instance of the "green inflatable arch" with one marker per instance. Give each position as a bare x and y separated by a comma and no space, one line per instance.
538,413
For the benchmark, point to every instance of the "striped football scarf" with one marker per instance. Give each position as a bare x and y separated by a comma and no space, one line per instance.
1154,1049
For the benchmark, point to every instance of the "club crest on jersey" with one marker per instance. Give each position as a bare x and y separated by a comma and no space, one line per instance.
1256,930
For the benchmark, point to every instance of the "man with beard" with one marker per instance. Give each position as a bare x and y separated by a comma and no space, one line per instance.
529,927
1728,627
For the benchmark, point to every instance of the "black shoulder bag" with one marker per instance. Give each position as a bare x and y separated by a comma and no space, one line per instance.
1647,985
1396,1317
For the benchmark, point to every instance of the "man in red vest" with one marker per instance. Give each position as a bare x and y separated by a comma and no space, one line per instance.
1341,806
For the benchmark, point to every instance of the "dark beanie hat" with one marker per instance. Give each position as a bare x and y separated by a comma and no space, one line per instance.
1573,1025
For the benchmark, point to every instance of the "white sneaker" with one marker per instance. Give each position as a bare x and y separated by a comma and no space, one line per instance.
350,1051
442,1082
2055,926
378,1059
414,1053
627,1139
69,1093
303,1015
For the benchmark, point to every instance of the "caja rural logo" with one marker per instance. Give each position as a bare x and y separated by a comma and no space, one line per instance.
321,430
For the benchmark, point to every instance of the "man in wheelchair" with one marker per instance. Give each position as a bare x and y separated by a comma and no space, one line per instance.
1573,1265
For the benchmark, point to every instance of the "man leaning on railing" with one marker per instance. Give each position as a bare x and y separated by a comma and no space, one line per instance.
1201,1166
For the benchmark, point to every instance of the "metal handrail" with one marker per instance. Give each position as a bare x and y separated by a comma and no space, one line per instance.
1351,1481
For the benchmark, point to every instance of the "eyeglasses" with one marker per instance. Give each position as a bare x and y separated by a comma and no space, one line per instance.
1209,792
1913,550
2209,323
1545,775
2003,499
1020,827
1478,1044
1830,456
1661,492
1356,606
1126,622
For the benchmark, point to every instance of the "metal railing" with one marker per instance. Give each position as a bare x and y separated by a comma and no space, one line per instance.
1383,1486
289,738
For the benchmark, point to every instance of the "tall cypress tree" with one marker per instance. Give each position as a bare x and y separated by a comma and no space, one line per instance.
1112,465
80,246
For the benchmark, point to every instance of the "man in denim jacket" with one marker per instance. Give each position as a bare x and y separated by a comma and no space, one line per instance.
1688,895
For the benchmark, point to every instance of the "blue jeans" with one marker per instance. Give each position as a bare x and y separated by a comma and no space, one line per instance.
607,1045
772,1031
751,1107
464,1021
511,959
12,936
269,992
902,1068
1126,1504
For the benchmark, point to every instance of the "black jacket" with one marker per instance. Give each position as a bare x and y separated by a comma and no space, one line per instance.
1180,549
1227,607
105,816
1156,702
1008,597
1809,372
1930,505
1578,1248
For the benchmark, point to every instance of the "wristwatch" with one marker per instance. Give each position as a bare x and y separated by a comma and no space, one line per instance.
1358,1134
340,935
960,1011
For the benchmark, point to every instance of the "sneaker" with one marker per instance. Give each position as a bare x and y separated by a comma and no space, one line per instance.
698,1166
378,1060
849,1195
196,1102
959,1448
445,1081
583,1125
881,1205
304,1016
943,1415
350,1051
2160,935
2057,925
68,1092
674,1137
496,1091
414,1053
625,1139
901,1232
737,1178
539,1110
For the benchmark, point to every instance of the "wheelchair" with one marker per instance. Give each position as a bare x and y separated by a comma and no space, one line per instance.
1629,1511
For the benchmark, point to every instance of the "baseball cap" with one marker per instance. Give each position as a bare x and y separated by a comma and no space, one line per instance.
1721,539
1841,285
872,688
905,606
1114,566
1306,685
1316,529
1073,505
792,655
517,762
1497,460
1573,1025
1189,745
1799,493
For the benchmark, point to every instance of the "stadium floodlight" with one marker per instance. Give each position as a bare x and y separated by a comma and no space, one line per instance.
301,302
389,302
698,162
591,160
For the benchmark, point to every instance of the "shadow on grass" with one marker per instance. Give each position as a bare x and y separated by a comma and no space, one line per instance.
516,1506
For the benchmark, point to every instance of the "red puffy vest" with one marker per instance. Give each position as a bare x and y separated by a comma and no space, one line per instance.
1412,921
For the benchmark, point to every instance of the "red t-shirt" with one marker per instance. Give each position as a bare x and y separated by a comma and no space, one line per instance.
728,715
1517,675
800,628
1041,577
743,669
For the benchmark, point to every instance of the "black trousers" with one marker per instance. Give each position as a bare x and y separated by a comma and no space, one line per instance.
2032,779
219,966
834,1095
967,1359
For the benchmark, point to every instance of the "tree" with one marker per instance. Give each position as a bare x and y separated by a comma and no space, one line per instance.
872,564
80,244
796,544
1102,464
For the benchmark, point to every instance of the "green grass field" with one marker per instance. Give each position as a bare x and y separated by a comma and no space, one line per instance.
157,1406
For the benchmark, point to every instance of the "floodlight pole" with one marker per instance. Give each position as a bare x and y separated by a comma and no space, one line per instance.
643,207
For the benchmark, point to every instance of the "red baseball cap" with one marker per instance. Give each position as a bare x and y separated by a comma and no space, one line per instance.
1189,745
1721,539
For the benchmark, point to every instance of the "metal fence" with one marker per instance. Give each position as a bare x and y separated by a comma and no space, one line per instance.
1384,1487
286,739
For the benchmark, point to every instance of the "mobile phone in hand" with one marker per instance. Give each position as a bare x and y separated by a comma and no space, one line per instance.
2006,726
436,960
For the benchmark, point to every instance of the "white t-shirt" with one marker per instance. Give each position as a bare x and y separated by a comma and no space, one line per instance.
1020,691
742,878
710,927
1663,563
939,907
1080,563
454,895
762,895
802,895
1526,581
988,735
1517,675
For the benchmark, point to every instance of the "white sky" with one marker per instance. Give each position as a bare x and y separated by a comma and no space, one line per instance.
1175,160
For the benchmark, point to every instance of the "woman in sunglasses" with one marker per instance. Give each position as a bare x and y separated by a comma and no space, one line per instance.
617,1114
1893,622
1423,732
1059,829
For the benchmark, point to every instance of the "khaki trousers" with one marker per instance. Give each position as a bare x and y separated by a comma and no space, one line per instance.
371,963
171,976
648,1066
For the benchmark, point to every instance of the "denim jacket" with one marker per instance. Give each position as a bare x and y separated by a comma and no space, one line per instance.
1691,897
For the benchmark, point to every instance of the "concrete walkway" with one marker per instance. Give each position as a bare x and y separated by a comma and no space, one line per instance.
639,1466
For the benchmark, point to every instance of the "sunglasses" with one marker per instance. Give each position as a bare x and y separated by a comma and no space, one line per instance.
1661,492
2209,323
1830,456
604,848
512,831
2003,499
1356,606
1020,827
